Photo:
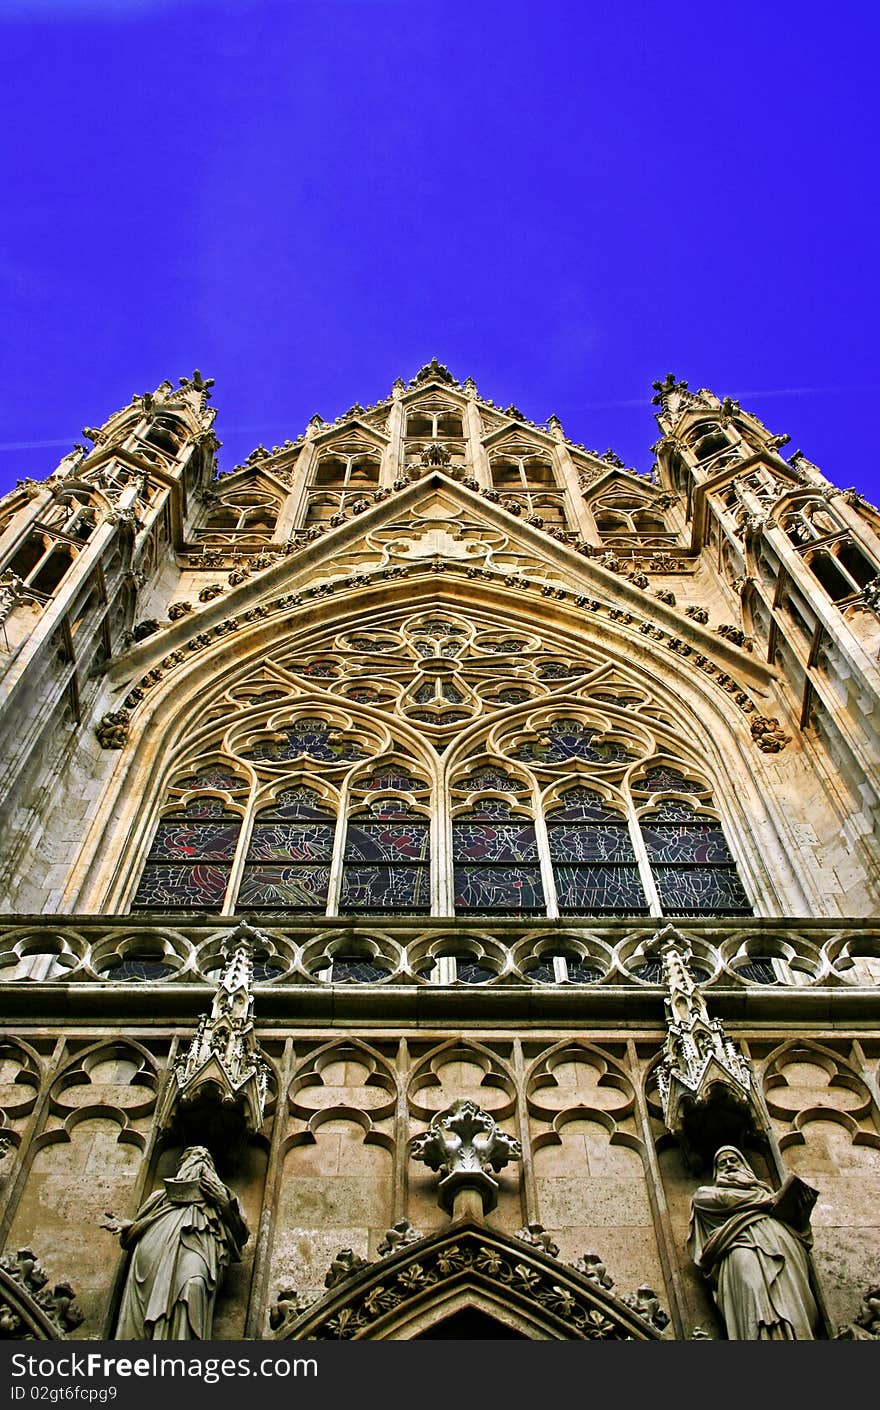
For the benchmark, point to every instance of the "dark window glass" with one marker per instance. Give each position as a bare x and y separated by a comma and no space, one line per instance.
386,866
189,863
139,969
288,861
496,861
691,864
594,863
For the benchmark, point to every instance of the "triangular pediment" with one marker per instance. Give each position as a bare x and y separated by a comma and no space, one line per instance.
440,531
354,428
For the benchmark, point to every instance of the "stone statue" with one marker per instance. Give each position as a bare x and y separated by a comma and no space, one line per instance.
181,1240
751,1243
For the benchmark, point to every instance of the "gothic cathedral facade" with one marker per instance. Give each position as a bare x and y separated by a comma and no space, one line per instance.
458,836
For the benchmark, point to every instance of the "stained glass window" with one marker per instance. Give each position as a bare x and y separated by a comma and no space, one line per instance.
312,737
288,861
354,969
594,863
388,776
211,776
141,969
570,739
386,865
490,777
189,863
665,779
496,861
759,969
691,863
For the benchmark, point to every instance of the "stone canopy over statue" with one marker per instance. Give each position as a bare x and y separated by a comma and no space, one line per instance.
751,1243
181,1240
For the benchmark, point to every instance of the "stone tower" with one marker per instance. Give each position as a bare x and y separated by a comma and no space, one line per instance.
459,835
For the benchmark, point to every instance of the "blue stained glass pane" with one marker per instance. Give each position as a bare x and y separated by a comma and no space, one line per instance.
494,842
569,739
165,886
180,839
141,970
580,973
584,842
696,843
760,971
512,889
381,888
205,808
312,737
671,810
353,969
701,890
544,972
291,841
593,890
395,839
295,888
470,972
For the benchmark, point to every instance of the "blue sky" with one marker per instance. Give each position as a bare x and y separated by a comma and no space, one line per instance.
562,200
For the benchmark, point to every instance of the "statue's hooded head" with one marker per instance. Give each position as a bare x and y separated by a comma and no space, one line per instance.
194,1160
732,1168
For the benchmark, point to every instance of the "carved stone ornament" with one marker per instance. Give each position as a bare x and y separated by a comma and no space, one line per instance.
113,729
400,1234
464,1144
436,456
865,1326
181,1240
704,1081
457,1266
218,1088
345,1265
766,733
537,1236
29,1309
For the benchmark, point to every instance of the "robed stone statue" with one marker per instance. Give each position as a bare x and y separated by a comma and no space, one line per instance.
751,1243
181,1240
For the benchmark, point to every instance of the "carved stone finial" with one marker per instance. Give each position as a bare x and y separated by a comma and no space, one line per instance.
705,1083
219,1086
464,1144
289,1304
646,1303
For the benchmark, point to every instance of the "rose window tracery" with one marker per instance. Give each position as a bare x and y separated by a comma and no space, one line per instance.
552,776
